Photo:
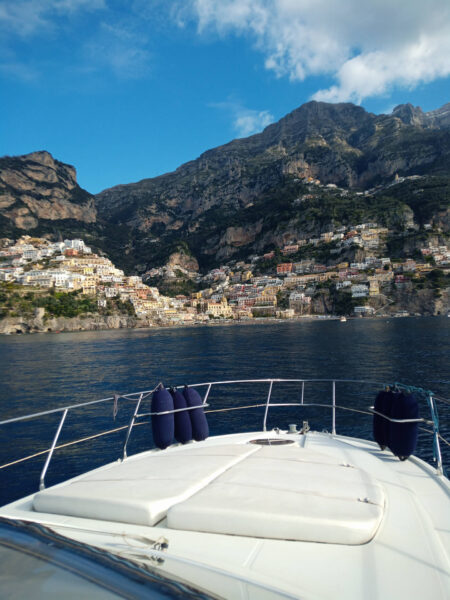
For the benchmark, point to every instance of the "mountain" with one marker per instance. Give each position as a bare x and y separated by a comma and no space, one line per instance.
435,119
252,193
39,195
37,191
242,194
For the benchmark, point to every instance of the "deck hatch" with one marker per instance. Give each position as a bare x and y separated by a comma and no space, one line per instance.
271,442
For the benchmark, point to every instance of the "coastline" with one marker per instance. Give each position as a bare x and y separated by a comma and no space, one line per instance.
19,326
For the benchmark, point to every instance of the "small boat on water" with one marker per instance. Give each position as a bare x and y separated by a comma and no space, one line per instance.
343,319
286,512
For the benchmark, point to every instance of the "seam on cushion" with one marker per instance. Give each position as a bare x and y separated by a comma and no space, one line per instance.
299,493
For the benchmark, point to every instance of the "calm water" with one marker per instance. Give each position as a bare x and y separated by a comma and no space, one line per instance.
46,371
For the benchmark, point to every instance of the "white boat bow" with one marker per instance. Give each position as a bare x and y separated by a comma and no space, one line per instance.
264,514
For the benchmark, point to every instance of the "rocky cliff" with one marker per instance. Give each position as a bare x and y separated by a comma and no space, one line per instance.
37,191
38,324
337,143
414,115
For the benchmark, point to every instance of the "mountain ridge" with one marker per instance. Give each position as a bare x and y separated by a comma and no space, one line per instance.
243,196
401,111
339,144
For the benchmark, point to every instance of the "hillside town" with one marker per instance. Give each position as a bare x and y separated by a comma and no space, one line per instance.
272,285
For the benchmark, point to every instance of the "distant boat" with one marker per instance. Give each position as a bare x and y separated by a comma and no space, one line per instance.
343,319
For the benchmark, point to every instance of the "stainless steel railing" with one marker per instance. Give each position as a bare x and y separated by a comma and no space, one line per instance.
65,410
140,397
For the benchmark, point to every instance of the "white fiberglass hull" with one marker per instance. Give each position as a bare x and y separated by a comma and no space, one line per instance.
407,555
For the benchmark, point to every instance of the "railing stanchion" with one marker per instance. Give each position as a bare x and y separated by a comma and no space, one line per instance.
130,426
207,393
50,454
437,446
333,425
267,406
303,391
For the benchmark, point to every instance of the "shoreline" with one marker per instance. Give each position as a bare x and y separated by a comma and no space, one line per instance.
116,322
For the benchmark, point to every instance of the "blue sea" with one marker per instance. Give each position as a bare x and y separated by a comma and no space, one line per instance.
45,371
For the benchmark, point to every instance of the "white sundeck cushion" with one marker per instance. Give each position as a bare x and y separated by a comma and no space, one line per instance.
329,481
298,454
140,491
286,498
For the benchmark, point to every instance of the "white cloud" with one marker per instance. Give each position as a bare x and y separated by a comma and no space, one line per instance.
369,46
25,17
71,6
111,41
246,121
120,49
16,70
252,121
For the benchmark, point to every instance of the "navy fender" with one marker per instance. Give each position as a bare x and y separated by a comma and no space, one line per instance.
163,426
183,426
403,436
381,426
200,429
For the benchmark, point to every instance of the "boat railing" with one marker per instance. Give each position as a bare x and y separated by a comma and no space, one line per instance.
268,404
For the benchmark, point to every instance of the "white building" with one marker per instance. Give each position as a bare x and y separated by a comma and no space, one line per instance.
6,275
111,292
343,284
363,310
57,246
60,278
360,291
32,254
78,245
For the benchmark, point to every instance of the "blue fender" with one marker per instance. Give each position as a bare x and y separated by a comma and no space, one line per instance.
163,426
200,429
381,426
403,436
183,426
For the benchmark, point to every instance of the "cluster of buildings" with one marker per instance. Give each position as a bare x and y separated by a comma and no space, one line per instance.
440,255
297,283
233,291
313,182
368,236
71,265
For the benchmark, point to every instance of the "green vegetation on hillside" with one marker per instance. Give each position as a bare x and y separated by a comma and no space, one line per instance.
426,196
66,304
343,303
17,301
437,280
182,285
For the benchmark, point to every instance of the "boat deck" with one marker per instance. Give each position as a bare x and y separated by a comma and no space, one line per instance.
326,516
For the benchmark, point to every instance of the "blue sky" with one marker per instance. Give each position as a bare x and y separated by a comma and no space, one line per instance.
125,90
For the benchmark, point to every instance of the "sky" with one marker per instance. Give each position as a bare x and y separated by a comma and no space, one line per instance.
125,90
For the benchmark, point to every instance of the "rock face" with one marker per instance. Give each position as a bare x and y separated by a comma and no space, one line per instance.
214,203
36,189
414,115
37,324
337,143
181,259
421,302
